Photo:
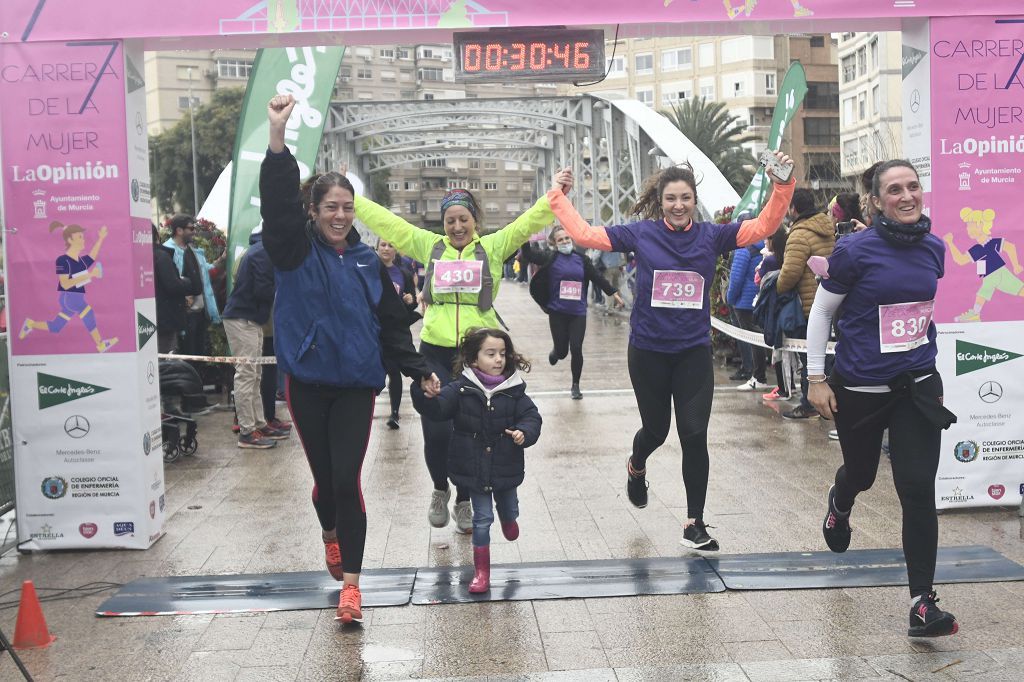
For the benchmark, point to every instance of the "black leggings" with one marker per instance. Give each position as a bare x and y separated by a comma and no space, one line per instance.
567,332
334,427
268,382
687,379
395,387
914,446
436,435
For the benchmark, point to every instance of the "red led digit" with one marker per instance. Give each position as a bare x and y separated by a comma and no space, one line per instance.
582,58
471,57
492,57
561,52
520,54
538,56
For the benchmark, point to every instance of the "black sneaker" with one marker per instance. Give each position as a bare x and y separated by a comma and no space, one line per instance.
836,527
800,412
695,536
575,392
740,375
636,485
393,421
928,620
552,358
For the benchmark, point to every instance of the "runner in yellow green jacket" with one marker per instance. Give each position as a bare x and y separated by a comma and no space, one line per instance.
463,272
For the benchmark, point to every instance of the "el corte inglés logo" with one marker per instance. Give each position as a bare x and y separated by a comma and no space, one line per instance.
54,390
970,357
146,329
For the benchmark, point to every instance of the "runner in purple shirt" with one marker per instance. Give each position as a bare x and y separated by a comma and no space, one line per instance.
560,288
670,327
885,278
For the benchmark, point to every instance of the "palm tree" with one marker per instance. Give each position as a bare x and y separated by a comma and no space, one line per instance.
719,135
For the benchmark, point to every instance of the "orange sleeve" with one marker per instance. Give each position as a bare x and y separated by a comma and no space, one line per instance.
581,232
765,224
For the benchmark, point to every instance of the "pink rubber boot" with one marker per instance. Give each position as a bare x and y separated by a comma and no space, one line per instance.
482,564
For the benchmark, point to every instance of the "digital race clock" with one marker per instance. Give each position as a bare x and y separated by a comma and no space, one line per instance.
545,54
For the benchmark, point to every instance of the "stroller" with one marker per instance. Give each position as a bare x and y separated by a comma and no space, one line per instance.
178,379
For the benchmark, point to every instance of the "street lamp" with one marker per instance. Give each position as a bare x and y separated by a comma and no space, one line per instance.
192,124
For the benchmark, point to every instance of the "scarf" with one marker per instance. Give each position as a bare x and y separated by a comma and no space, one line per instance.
902,234
488,380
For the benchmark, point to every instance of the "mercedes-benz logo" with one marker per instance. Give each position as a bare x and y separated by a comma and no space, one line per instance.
915,100
990,392
76,426
150,372
139,124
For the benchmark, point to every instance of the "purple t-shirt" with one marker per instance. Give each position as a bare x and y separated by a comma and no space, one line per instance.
871,272
988,252
398,278
567,269
66,265
671,330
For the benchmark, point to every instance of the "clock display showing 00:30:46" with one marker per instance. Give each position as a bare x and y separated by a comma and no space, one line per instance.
534,56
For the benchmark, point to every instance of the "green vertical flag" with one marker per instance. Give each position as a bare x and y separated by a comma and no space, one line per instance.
308,73
791,96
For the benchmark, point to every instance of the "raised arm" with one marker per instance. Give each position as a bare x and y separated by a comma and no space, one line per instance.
770,217
284,219
95,253
579,229
406,237
508,239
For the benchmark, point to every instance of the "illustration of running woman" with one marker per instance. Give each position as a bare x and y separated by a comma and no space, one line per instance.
749,5
986,254
74,271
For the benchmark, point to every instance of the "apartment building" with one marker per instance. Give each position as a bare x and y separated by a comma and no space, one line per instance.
381,73
744,72
870,91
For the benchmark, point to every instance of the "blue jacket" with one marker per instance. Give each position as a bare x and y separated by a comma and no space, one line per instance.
742,289
204,273
253,295
336,314
778,314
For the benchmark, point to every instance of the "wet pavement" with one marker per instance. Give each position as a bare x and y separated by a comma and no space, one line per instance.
241,511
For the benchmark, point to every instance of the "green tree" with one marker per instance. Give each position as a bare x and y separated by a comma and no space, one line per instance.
170,152
718,134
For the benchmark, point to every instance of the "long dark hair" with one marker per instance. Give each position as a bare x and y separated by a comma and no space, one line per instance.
474,340
648,206
777,243
317,185
850,203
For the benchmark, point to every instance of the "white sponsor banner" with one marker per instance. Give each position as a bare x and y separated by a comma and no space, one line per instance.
87,475
982,458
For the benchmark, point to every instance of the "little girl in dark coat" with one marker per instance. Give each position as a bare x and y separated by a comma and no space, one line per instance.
494,420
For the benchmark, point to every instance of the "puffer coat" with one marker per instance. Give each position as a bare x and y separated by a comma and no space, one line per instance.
481,456
812,235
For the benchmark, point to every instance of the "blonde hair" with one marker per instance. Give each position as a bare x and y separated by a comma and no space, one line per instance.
984,218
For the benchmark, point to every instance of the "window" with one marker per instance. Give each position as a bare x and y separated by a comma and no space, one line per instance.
364,53
645,95
388,76
365,95
706,54
428,96
511,165
849,115
405,75
862,104
474,164
737,49
822,132
431,74
394,185
615,67
644,63
769,84
490,165
490,186
528,187
473,185
822,95
412,185
233,68
850,153
428,53
512,187
876,103
414,207
433,205
738,88
408,94
673,93
404,53
873,46
396,209
849,68
183,102
435,163
183,72
707,88
491,207
817,41
345,93
862,61
672,60
386,53
364,74
822,167
512,207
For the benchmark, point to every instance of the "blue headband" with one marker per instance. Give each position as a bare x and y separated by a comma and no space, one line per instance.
459,197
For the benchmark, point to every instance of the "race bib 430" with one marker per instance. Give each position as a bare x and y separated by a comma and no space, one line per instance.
458,276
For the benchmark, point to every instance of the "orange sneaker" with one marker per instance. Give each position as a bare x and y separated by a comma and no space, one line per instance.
350,605
332,556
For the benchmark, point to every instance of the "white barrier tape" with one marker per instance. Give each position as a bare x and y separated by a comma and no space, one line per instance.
265,360
757,338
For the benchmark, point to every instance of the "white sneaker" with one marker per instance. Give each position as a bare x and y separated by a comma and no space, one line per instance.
438,512
752,385
833,434
464,517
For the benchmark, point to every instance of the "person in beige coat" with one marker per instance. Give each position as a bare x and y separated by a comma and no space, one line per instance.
812,234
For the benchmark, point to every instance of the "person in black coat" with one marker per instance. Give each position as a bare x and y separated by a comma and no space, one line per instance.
405,285
494,420
560,288
170,291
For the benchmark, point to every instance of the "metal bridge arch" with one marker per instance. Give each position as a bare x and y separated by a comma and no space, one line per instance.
612,145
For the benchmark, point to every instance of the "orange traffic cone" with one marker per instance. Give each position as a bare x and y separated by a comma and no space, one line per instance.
30,630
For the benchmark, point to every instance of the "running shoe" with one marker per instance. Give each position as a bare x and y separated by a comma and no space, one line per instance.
752,385
695,536
636,484
575,392
971,315
106,344
350,605
393,421
463,514
800,412
928,620
255,441
552,358
836,526
280,425
774,394
438,514
332,557
274,434
25,330
833,434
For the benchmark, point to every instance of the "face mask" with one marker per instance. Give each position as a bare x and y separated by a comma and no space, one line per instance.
565,248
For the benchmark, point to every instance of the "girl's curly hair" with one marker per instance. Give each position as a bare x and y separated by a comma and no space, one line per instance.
474,340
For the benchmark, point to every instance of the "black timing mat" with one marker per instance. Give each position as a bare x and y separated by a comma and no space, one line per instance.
569,580
247,593
858,568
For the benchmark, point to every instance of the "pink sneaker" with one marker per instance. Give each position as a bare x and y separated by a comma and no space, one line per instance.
774,395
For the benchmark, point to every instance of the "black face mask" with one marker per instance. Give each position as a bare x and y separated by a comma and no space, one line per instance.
902,234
